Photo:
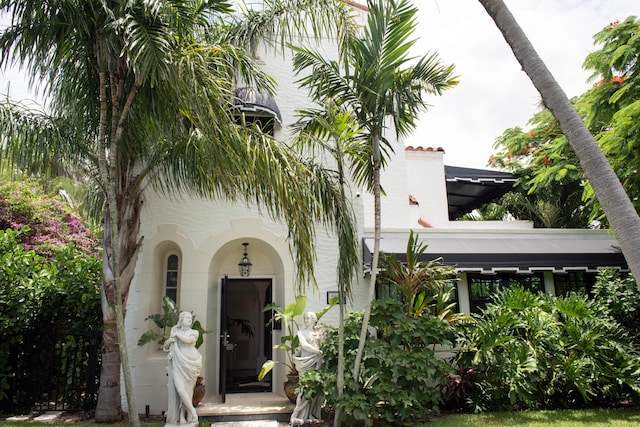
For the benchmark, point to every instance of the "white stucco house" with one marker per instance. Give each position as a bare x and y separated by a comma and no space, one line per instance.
191,246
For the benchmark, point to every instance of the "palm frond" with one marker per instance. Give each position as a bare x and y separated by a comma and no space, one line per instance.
283,21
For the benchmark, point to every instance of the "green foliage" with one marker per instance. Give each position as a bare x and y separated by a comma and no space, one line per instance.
165,321
423,285
400,376
621,298
40,295
550,185
537,351
549,172
289,342
50,276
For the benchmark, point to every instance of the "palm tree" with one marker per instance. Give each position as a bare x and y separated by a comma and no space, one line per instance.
622,216
139,96
335,130
381,85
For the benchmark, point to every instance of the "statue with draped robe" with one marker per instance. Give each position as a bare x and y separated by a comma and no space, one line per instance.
309,356
184,364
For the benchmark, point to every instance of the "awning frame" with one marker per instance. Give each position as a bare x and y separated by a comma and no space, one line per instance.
249,100
590,255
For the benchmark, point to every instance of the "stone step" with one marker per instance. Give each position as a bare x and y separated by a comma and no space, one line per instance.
255,423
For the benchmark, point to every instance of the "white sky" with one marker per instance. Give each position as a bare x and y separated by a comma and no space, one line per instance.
493,94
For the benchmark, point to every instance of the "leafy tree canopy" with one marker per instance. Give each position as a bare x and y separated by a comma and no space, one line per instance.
552,190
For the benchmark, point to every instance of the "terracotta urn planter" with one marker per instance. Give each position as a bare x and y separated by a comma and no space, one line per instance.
290,386
198,391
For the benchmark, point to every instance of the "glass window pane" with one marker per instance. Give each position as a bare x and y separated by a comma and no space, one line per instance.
172,293
532,283
172,279
575,281
172,262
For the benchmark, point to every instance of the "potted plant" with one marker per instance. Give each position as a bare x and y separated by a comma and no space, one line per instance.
165,321
289,342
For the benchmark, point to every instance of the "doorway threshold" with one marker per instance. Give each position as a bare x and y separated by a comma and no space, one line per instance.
246,407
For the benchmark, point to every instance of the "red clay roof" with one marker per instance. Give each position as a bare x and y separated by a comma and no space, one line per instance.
356,5
418,148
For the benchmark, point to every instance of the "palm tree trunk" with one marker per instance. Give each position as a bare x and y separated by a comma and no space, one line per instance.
120,235
375,149
109,408
615,202
340,378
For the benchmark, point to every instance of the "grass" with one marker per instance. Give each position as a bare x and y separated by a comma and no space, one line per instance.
622,417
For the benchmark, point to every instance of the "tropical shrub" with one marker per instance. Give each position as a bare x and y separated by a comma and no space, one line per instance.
400,375
537,351
42,296
400,378
420,285
165,321
50,275
620,296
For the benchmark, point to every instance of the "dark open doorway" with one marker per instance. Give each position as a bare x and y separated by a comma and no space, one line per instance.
250,341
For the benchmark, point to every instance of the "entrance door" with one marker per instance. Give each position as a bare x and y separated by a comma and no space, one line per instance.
249,342
224,338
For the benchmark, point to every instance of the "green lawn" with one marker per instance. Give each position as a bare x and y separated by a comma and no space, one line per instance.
575,418
626,417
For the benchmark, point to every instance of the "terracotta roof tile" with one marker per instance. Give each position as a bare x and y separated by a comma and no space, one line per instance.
419,148
357,5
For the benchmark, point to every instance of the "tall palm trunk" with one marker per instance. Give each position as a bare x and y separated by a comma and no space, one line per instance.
618,208
121,244
377,164
340,376
109,407
343,285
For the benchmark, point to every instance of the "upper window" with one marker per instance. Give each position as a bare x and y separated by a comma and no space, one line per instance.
251,108
172,277
266,124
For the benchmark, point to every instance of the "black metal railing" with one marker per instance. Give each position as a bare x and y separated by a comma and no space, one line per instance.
55,370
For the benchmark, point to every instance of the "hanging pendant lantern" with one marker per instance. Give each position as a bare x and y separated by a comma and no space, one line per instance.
244,266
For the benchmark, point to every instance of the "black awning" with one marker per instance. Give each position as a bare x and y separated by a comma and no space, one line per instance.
518,254
468,189
248,100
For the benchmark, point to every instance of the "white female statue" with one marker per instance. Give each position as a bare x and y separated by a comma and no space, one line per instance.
308,357
184,362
